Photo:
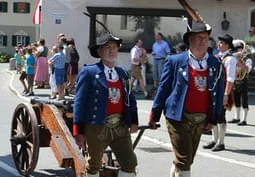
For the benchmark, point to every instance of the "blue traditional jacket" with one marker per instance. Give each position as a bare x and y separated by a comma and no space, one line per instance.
170,96
92,94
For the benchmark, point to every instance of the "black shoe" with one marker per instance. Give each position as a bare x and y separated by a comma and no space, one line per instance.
207,132
30,94
210,145
218,147
25,92
243,123
66,92
234,121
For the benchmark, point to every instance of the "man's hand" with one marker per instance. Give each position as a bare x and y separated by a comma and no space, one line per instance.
152,123
80,141
225,100
209,127
133,128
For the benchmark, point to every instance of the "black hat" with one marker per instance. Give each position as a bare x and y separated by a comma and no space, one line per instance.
102,40
197,27
227,39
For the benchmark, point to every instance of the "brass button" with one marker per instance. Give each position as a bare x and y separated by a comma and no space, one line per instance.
94,116
95,108
214,93
95,100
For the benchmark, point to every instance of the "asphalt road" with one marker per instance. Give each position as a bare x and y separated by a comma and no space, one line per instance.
153,151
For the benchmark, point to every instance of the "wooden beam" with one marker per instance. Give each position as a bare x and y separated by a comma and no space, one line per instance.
52,119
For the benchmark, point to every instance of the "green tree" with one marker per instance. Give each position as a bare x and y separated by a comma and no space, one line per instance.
148,24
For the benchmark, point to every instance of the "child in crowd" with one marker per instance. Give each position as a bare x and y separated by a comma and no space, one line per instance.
30,70
58,61
18,60
52,81
23,74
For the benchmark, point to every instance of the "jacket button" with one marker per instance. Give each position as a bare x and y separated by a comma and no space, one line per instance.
214,103
97,91
175,94
174,103
173,112
95,100
214,93
178,83
94,116
95,108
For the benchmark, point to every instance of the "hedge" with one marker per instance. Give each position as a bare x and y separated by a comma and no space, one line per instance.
4,58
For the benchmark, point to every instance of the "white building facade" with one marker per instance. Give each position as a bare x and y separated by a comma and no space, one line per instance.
16,25
66,16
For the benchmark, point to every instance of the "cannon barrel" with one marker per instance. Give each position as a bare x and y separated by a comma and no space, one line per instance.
65,104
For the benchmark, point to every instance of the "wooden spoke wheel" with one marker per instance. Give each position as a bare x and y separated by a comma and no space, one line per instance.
25,141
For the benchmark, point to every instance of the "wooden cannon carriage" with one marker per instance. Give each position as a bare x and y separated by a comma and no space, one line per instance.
48,123
44,123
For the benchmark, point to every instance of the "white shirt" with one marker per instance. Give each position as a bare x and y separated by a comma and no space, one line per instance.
194,63
40,49
136,53
248,63
114,73
230,65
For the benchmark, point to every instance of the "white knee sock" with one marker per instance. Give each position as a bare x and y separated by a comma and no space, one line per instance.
237,113
245,113
183,174
222,131
172,172
95,175
215,134
125,174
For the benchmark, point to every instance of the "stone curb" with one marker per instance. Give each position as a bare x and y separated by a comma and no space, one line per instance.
13,89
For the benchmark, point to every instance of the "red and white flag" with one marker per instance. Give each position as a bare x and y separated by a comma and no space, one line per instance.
37,16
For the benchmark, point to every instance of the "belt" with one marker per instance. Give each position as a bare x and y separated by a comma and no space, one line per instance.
194,117
113,120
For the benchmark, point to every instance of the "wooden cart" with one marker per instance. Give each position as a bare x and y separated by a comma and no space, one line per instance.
48,123
44,123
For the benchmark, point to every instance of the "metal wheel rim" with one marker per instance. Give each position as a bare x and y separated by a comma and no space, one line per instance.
25,139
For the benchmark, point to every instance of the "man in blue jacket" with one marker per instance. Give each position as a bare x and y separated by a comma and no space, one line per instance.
191,95
105,111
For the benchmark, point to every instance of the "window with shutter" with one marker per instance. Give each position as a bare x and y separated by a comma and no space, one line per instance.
3,6
20,39
1,40
21,7
27,40
5,41
252,18
14,40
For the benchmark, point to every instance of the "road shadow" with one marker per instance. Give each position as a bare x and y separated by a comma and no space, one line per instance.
8,160
65,172
238,135
155,149
250,152
251,99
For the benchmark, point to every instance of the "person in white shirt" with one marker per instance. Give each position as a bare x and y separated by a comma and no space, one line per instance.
137,59
229,63
243,68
